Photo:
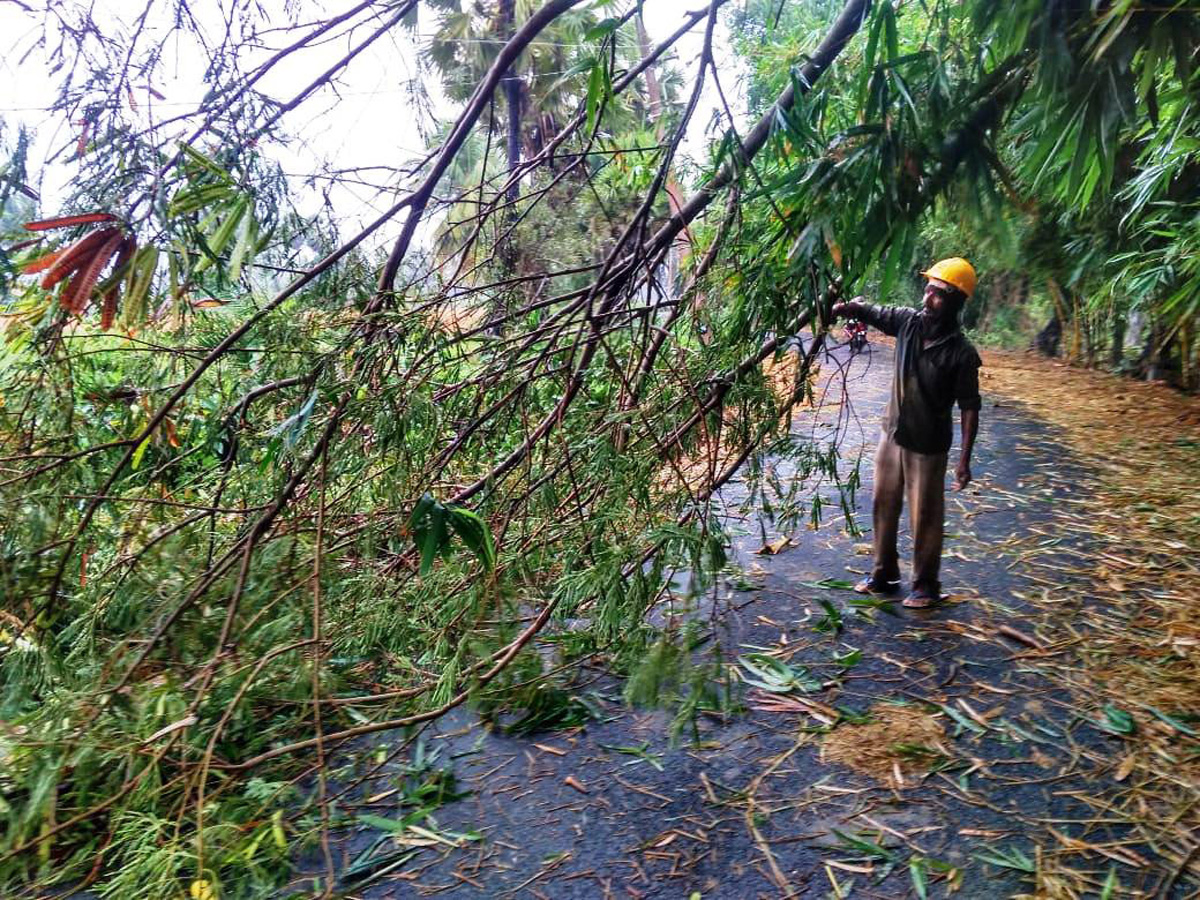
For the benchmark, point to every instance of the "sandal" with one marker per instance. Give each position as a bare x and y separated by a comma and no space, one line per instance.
870,586
921,599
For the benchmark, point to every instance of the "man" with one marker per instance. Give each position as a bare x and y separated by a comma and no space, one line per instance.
935,366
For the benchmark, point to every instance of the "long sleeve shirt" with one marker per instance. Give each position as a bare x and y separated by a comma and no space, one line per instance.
930,377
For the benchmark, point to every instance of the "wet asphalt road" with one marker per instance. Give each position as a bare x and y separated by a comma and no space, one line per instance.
563,815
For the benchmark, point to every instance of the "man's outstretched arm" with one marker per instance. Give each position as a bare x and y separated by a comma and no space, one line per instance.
970,428
886,318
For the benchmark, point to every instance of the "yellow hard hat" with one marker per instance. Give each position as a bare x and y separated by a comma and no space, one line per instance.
956,271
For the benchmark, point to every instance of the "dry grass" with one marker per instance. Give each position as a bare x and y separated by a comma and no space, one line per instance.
456,318
1131,607
883,748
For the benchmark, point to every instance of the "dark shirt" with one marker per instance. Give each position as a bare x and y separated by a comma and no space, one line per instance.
929,378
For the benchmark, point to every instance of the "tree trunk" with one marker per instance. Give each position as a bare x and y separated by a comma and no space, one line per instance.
1158,361
656,113
1187,373
1116,352
508,249
653,87
512,100
1049,337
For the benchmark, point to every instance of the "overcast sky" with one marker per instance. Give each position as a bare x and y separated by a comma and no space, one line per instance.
368,122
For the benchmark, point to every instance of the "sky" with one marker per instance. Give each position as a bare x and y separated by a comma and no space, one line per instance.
370,120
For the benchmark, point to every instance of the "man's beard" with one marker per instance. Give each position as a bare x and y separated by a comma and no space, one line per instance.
935,324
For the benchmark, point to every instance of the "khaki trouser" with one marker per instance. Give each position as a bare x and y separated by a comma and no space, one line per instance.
923,477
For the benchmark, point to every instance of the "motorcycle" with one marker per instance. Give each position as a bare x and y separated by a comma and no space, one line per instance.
856,335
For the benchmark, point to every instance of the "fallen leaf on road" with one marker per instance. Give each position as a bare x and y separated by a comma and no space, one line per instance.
1125,768
772,547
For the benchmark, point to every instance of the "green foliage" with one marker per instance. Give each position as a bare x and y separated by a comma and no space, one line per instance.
431,524
1064,138
777,677
244,504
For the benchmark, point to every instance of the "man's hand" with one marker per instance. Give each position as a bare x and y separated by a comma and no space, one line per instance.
970,428
962,475
845,310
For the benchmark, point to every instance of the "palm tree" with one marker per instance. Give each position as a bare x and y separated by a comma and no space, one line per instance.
543,84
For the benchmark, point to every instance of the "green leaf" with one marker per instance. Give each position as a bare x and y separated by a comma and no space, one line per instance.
291,429
379,822
1110,884
916,871
1170,720
883,604
136,460
832,583
775,676
220,237
422,508
1118,720
584,64
599,90
832,620
962,720
1008,859
641,752
889,26
601,30
475,533
432,539
141,276
429,530
433,523
192,155
867,847
191,199
891,267
846,660
902,87
247,235
868,65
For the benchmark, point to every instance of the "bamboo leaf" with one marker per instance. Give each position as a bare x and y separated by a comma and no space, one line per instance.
889,25
916,871
962,720
432,538
392,826
1119,721
141,275
475,533
67,221
196,198
598,92
867,847
194,156
1008,859
291,429
1111,884
1170,720
602,30
219,239
247,232
136,459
